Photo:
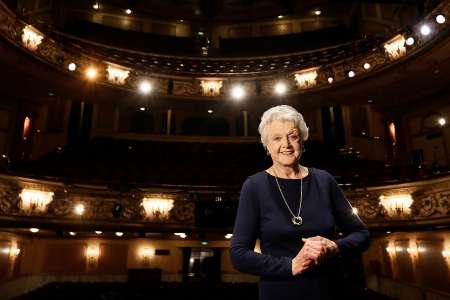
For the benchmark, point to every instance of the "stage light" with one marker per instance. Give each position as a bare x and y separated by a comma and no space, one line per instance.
142,108
280,88
440,19
351,74
34,229
72,67
145,87
366,66
425,30
280,17
410,41
128,11
237,92
228,236
181,234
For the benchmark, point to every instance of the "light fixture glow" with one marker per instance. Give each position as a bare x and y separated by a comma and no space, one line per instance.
442,121
280,88
35,200
91,73
79,209
355,210
317,12
128,11
119,233
72,67
366,66
34,229
237,92
31,37
397,204
330,79
181,234
228,236
142,108
425,30
410,41
351,74
211,87
117,74
306,78
98,232
440,19
280,16
157,208
72,233
395,47
145,87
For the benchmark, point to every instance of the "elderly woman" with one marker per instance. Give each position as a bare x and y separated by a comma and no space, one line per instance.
292,210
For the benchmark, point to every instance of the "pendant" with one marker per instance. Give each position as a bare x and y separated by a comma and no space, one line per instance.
297,220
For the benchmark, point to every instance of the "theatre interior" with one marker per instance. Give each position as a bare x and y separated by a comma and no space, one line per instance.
127,128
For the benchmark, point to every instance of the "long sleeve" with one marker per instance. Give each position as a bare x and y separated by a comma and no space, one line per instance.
356,235
246,231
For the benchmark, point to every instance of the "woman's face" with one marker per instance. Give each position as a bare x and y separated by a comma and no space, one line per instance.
284,143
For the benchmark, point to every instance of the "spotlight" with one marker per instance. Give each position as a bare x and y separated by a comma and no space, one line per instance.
237,92
410,41
366,66
280,88
91,73
79,209
425,30
440,19
330,79
442,121
98,232
119,233
72,67
351,74
34,229
145,87
128,11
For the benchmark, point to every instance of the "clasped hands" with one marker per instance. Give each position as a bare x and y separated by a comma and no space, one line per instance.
314,251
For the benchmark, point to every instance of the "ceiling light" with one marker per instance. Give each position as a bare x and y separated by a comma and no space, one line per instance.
72,67
98,232
119,233
181,234
366,66
280,17
181,20
410,41
280,88
34,229
440,19
351,74
237,92
72,233
91,73
425,30
145,87
330,79
79,209
142,108
442,121
210,111
317,12
128,11
96,6
228,235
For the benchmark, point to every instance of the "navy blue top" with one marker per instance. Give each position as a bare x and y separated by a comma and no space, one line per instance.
263,215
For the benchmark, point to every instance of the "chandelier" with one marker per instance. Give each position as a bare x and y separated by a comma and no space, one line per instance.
397,205
31,37
157,208
35,200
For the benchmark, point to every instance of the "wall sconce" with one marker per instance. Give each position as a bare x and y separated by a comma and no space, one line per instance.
12,251
157,208
35,200
446,253
395,47
397,205
211,87
31,37
92,253
306,78
117,74
146,253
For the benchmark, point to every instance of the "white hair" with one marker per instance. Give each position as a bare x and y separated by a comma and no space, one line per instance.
282,113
